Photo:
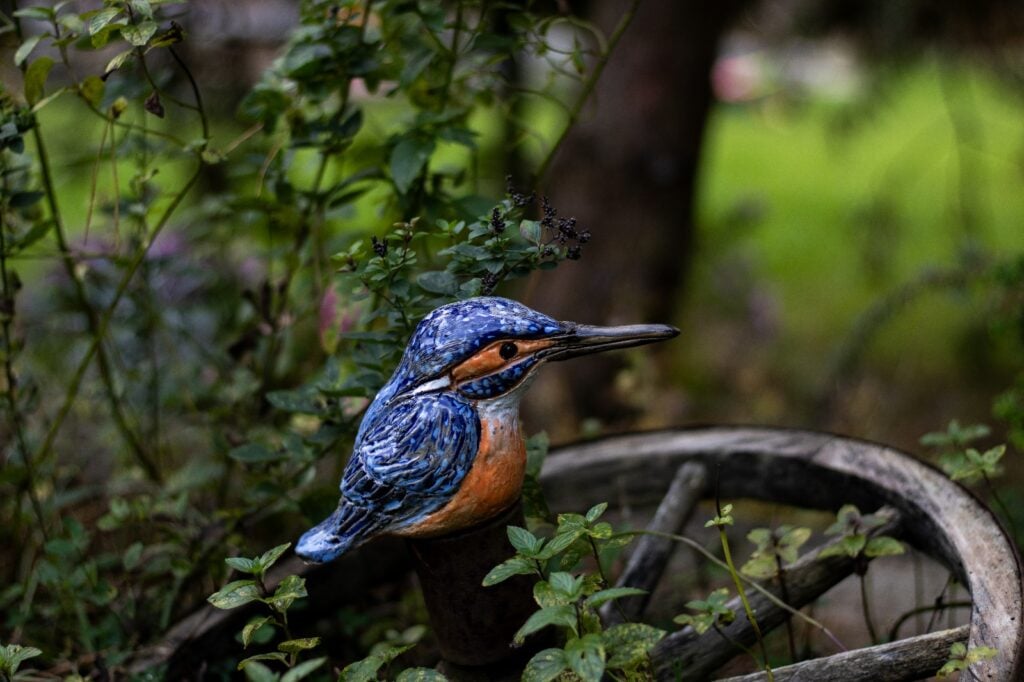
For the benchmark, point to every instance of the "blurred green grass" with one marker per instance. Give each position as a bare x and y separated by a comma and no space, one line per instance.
831,206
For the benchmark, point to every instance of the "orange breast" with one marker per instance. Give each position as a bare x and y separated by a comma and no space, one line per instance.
492,484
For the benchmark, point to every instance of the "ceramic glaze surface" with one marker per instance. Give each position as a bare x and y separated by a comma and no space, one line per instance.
440,447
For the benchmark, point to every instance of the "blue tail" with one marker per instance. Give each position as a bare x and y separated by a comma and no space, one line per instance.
343,530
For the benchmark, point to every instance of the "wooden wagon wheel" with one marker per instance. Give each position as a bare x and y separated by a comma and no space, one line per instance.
809,470
674,470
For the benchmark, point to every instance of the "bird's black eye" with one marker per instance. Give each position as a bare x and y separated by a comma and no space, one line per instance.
508,350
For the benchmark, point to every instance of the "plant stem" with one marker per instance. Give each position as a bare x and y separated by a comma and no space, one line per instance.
894,631
865,604
785,597
104,322
11,392
96,330
588,87
1002,505
697,547
453,56
195,93
743,598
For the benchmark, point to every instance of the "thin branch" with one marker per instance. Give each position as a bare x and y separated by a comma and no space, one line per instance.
588,87
92,319
6,315
104,322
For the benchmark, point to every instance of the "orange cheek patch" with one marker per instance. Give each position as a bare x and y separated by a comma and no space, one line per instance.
489,360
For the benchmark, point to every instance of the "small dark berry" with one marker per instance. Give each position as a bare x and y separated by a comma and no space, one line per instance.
497,221
488,283
573,253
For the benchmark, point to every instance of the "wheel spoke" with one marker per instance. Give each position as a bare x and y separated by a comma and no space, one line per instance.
647,562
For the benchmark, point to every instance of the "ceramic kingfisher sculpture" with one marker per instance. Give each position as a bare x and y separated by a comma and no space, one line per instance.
440,447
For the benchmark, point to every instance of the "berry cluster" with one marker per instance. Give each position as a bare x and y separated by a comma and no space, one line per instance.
519,199
563,230
497,221
488,283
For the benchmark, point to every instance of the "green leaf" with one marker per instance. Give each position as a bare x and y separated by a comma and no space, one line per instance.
523,540
257,672
420,675
850,545
552,615
545,666
362,671
883,546
595,600
13,655
713,610
595,512
252,627
530,231
252,453
408,158
303,669
306,59
628,644
235,594
35,78
585,656
49,98
270,656
566,584
291,588
139,34
294,646
545,596
103,17
951,667
242,564
788,546
761,537
23,51
270,557
760,566
132,555
438,282
515,566
117,62
38,13
558,544
142,8
722,519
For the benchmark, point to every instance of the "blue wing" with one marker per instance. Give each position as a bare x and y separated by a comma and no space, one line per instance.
408,461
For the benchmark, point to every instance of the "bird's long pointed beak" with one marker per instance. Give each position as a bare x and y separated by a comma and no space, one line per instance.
584,339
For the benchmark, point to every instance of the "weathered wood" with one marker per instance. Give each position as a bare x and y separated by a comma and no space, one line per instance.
806,580
814,470
647,562
804,469
908,659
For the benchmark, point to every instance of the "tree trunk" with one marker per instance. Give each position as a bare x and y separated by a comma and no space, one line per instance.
628,173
